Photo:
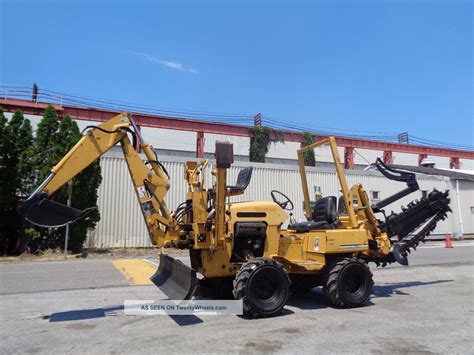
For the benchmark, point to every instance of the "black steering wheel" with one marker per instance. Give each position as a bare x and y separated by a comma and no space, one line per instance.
285,202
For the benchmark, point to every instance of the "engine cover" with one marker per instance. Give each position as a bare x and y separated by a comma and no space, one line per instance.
249,229
249,240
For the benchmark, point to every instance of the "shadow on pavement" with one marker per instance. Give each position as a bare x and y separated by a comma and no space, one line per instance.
109,311
316,300
83,314
186,320
388,290
284,312
310,300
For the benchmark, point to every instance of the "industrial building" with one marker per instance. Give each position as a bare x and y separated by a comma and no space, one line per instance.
178,139
122,223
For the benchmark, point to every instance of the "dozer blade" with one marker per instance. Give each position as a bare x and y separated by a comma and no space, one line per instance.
175,279
43,212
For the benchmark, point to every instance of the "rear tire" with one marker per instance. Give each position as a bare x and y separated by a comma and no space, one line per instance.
263,286
348,283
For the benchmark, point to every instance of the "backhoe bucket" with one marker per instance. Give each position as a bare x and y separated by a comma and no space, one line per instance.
175,279
43,212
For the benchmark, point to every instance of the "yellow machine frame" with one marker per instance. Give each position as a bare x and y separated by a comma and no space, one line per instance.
299,252
215,230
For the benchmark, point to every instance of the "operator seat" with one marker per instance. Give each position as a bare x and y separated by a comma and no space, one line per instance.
341,207
243,180
324,216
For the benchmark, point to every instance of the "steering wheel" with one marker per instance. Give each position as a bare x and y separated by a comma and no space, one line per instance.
285,202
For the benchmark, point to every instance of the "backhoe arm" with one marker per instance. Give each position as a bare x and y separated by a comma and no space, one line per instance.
93,144
150,181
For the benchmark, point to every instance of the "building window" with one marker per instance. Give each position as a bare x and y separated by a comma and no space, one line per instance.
472,209
424,193
375,196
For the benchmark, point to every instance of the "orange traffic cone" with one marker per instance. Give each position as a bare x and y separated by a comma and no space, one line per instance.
447,240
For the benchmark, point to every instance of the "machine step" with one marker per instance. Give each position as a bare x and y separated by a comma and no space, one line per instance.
297,265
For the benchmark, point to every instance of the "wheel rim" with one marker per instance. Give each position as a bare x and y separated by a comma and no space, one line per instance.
355,284
267,289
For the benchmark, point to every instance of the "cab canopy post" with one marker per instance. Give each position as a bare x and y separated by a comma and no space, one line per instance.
340,174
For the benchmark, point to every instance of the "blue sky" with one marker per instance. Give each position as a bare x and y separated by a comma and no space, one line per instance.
377,66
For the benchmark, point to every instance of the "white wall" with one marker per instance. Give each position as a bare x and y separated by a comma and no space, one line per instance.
184,141
365,156
161,138
440,162
465,201
405,159
467,164
241,144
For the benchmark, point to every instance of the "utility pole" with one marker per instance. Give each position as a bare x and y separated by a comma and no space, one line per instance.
257,120
69,197
34,93
403,138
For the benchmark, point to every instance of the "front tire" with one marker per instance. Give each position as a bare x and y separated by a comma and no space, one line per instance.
348,283
263,286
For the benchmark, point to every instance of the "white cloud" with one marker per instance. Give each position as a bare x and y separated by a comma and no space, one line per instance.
167,63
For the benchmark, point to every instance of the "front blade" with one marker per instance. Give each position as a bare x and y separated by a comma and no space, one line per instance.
175,279
43,212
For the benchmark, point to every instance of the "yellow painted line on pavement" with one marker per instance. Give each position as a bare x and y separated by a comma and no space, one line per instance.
136,271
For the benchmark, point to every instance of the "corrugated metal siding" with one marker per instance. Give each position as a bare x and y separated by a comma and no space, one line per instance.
466,197
122,224
467,164
121,221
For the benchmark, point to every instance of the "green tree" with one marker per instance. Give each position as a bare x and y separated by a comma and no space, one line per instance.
46,151
85,186
42,156
53,140
15,140
84,196
260,142
309,158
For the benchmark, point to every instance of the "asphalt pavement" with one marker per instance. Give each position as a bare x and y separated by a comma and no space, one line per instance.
76,306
